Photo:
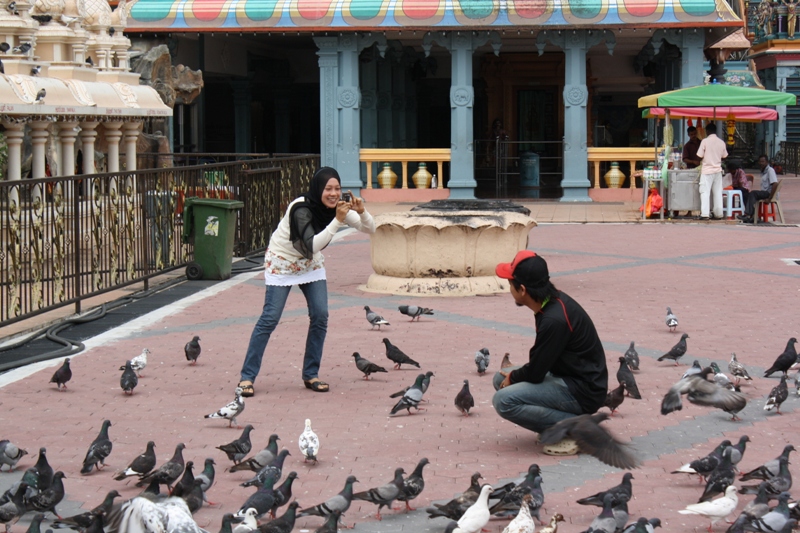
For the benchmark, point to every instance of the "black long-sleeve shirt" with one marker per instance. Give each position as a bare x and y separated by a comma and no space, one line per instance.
567,345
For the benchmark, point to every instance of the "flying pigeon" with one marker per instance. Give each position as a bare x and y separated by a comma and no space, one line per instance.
552,527
128,380
282,524
785,360
309,443
592,439
632,357
232,410
395,354
10,454
275,469
40,96
238,449
413,485
769,469
139,362
672,320
141,465
261,459
384,495
248,523
84,520
366,366
777,396
614,398
337,504
455,508
477,516
21,49
283,494
62,375
192,350
699,391
411,398
98,450
715,510
464,400
625,376
45,501
523,523
415,312
506,363
621,493
677,351
720,478
167,473
482,360
375,319
705,465
261,500
738,370
207,477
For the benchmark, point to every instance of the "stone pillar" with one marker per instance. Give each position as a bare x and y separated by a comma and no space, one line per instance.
780,125
39,136
88,136
15,132
113,134
67,133
241,113
328,52
131,133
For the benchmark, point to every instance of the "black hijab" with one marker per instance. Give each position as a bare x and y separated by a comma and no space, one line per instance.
320,215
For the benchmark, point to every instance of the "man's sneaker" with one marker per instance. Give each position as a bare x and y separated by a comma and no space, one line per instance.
565,447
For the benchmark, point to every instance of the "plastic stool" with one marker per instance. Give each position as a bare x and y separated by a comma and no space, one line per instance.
767,210
733,202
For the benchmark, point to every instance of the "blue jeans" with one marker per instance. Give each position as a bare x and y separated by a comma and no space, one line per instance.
316,294
535,406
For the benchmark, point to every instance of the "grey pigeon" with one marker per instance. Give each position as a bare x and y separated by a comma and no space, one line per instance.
275,469
186,482
621,493
621,515
780,482
482,360
625,376
5,47
283,494
696,368
705,465
384,495
464,400
632,357
455,508
672,320
760,505
45,501
414,311
167,473
84,520
230,411
62,375
98,450
207,477
426,382
738,370
36,523
785,360
282,524
40,96
42,19
331,524
227,521
366,366
194,497
769,469
192,350
640,526
12,510
141,465
129,379
261,500
261,459
12,7
700,391
511,497
36,70
773,521
413,485
395,354
592,439
40,475
720,378
411,398
777,396
10,454
614,398
339,503
677,351
375,319
2,67
239,448
720,478
605,521
738,449
797,383
24,48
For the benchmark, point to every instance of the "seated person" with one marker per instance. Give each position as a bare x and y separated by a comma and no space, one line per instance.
769,182
739,180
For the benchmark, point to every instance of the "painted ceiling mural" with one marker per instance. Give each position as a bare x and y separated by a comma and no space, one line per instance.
388,14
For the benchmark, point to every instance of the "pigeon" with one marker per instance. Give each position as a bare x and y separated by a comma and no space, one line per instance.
84,520
45,501
592,439
36,70
283,524
67,20
621,493
614,398
411,398
275,468
384,495
331,523
785,360
777,396
643,525
464,400
775,520
261,459
232,410
192,350
186,483
413,485
700,391
12,511
477,516
769,469
261,500
98,450
780,482
621,515
40,96
141,465
797,383
759,506
283,494
309,443
605,521
167,473
12,7
2,68
720,378
111,31
36,523
366,366
5,47
705,465
239,448
455,508
696,368
506,362
738,370
552,526
10,454
139,362
207,477
337,504
248,524
395,354
426,382
24,48
42,19
375,319
720,478
171,515
625,376
510,495
482,360
90,62
715,510
129,380
523,523
63,374
677,351
672,320
415,312
40,475
194,497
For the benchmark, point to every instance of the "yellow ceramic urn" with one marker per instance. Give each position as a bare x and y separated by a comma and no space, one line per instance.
614,177
387,179
422,178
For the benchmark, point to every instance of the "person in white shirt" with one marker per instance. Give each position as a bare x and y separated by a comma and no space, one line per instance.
713,151
769,182
294,257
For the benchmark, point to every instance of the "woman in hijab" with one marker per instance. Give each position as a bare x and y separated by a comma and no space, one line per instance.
294,258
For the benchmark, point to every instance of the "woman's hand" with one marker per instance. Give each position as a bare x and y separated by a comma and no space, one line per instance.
357,204
342,208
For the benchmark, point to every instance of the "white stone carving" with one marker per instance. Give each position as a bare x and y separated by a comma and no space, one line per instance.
78,90
126,94
24,87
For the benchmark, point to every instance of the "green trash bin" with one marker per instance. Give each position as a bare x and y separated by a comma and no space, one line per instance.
212,225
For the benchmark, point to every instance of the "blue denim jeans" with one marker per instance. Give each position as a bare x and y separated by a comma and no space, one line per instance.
316,294
535,406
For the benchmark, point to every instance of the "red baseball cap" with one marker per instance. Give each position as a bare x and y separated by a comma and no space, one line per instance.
526,268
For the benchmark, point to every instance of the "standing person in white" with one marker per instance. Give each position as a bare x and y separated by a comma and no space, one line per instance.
713,151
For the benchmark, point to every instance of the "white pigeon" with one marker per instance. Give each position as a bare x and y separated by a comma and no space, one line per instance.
249,522
715,510
232,410
477,516
140,515
309,443
672,320
139,362
523,523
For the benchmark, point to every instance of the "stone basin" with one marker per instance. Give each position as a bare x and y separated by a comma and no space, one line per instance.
447,248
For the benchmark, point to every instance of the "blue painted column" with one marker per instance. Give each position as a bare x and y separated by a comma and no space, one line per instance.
241,116
462,96
575,43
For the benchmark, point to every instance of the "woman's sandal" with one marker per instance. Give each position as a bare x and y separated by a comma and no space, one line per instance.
565,447
247,388
316,385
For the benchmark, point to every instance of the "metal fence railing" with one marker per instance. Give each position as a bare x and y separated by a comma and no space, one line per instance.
66,239
789,157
